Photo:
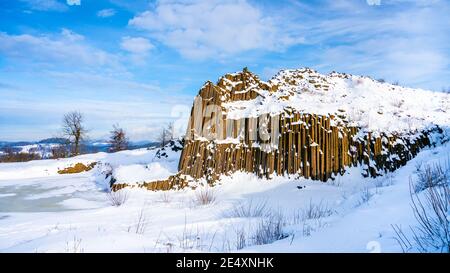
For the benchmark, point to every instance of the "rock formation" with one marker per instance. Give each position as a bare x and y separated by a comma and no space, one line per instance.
304,124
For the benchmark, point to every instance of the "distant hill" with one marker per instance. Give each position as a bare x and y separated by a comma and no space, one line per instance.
44,146
53,140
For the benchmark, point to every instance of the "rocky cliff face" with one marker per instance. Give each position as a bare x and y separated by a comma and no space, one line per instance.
303,123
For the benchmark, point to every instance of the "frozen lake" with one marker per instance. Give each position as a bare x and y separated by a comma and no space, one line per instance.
50,194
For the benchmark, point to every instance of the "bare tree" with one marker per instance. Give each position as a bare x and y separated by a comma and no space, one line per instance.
118,140
74,130
166,134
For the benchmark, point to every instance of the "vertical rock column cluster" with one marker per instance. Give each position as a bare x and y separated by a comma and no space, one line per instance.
313,146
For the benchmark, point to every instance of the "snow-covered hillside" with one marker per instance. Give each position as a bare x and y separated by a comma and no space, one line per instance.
43,211
355,100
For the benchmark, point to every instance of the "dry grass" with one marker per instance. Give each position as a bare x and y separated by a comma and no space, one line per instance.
365,196
205,196
165,197
432,214
431,209
78,168
430,176
117,198
248,210
270,229
74,246
140,225
313,211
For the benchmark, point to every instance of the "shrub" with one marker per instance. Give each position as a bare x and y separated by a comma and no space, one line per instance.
365,196
141,223
431,210
316,211
433,216
270,229
205,196
165,197
430,176
312,211
241,239
248,210
117,198
19,157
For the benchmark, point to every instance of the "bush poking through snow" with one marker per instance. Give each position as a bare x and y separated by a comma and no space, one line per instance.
248,210
401,238
141,223
205,196
313,211
74,246
430,176
365,196
316,211
432,212
241,239
117,198
270,229
165,197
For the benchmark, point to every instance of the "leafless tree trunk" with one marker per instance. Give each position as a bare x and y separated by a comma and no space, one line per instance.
74,130
118,140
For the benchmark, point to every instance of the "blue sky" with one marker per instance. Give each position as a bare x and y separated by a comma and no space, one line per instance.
139,63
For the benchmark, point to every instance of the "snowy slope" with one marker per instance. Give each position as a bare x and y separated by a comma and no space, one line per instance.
356,100
42,211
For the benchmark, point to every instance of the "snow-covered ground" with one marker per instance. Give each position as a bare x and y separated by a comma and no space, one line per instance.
43,211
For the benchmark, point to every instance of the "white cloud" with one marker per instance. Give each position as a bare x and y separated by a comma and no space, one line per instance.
203,28
373,2
406,41
141,107
65,48
71,36
106,13
74,2
136,45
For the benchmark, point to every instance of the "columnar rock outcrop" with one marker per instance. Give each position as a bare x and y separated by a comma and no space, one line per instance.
300,123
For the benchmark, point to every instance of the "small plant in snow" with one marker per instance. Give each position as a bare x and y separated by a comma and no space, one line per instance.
401,238
312,211
430,176
165,197
248,210
270,229
307,229
117,198
205,196
195,239
433,215
74,246
241,240
389,179
365,196
141,223
418,166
